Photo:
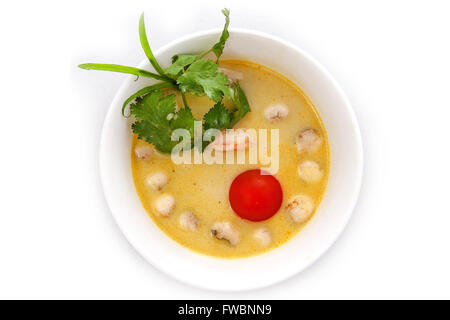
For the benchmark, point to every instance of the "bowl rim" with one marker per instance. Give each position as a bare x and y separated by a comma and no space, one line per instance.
359,168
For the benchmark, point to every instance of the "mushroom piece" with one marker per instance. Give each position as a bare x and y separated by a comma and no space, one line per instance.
263,236
225,231
300,208
143,152
310,171
164,205
276,112
189,221
232,75
157,180
308,140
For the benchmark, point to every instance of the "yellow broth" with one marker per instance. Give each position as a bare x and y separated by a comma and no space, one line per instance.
203,189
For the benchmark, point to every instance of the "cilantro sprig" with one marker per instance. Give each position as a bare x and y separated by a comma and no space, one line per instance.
219,117
155,111
202,78
157,118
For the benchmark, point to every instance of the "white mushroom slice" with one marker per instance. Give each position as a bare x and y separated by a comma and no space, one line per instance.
262,235
164,205
276,112
310,171
308,140
225,230
157,180
189,221
237,139
231,74
300,208
143,152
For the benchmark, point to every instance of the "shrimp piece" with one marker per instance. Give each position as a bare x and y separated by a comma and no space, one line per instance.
225,231
276,112
143,152
300,208
232,75
189,221
310,171
308,140
235,139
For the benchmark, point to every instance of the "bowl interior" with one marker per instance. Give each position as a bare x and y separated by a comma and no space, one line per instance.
298,253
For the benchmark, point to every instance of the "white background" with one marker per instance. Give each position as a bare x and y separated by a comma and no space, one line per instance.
57,236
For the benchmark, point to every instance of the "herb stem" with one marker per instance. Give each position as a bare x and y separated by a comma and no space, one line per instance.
203,54
183,96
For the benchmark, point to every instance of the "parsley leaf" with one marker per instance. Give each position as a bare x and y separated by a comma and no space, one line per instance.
180,62
218,117
218,47
156,119
242,105
144,91
202,78
184,119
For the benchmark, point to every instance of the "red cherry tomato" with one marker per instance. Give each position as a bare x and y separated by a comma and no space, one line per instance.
255,196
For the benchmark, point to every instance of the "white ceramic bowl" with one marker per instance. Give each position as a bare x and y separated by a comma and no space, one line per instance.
298,253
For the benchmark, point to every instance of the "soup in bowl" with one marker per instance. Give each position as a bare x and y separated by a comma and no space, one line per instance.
195,203
205,224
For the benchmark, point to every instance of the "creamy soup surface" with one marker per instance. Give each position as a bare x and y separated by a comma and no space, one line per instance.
203,189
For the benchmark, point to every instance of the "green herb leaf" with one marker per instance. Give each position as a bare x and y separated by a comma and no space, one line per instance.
218,117
180,62
242,105
153,107
144,91
218,47
156,119
146,46
122,69
202,78
184,119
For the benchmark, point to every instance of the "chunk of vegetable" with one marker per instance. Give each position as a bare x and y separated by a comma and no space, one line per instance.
255,195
